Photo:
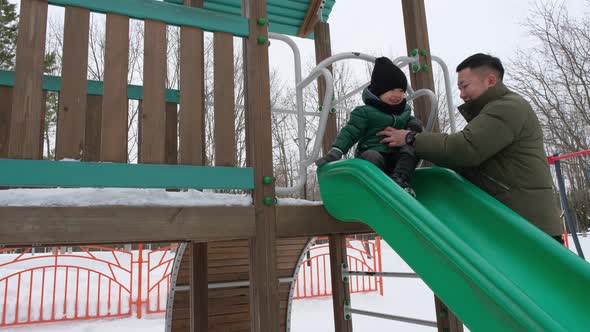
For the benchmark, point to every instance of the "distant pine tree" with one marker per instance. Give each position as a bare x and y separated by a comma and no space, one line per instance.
8,31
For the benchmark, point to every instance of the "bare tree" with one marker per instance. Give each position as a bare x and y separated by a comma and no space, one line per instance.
555,77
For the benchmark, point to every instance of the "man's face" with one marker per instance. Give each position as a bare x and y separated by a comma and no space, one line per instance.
473,83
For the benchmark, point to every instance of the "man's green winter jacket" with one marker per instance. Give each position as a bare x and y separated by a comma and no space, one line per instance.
501,151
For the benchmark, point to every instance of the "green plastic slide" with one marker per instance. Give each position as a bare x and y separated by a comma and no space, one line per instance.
495,270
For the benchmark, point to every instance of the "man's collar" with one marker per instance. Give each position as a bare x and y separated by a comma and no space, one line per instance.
471,109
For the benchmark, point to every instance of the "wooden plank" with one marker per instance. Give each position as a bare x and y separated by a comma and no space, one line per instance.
89,225
28,98
72,99
323,50
295,240
296,221
5,111
340,290
311,18
416,29
223,96
228,244
264,306
192,94
199,287
114,104
92,132
228,292
171,144
153,111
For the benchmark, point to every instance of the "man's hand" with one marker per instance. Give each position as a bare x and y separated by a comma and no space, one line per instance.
332,155
393,137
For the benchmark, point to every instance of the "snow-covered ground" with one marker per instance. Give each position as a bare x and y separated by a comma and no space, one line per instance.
403,297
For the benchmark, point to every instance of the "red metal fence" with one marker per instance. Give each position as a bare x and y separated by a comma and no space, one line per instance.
313,279
90,282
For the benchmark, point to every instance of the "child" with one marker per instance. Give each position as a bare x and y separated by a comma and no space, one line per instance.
385,106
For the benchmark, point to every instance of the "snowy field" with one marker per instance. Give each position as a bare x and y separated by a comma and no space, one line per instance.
403,297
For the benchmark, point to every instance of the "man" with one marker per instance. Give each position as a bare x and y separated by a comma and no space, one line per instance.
500,149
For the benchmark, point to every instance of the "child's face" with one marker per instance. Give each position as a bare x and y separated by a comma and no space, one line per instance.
393,97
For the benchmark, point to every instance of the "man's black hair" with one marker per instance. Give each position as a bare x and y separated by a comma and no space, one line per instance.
482,60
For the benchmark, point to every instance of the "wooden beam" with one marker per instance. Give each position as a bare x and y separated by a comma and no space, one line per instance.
72,100
28,101
310,221
114,103
118,224
223,96
340,289
416,28
264,290
88,225
417,38
311,18
153,110
5,110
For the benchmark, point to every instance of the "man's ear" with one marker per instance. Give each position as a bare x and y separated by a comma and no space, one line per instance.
491,79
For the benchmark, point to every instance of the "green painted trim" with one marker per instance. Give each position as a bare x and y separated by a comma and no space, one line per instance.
46,173
53,83
170,13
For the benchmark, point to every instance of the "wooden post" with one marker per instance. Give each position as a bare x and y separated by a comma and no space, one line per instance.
72,99
223,96
417,38
264,296
199,287
193,152
340,289
28,100
115,105
323,50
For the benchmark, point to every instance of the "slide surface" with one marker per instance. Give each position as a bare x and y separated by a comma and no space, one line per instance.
495,270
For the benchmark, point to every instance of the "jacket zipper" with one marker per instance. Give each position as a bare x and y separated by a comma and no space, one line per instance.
496,181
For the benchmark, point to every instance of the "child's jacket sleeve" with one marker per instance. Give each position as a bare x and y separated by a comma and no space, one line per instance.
352,132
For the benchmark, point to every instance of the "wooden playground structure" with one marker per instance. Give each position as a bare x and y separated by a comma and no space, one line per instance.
252,249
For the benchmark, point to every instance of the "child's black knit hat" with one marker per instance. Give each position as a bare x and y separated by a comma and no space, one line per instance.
387,76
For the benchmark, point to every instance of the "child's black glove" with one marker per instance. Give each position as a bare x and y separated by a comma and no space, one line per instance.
332,155
415,125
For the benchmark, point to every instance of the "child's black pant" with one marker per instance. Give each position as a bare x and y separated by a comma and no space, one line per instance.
399,164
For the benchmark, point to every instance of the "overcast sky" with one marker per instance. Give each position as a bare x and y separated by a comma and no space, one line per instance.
457,29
